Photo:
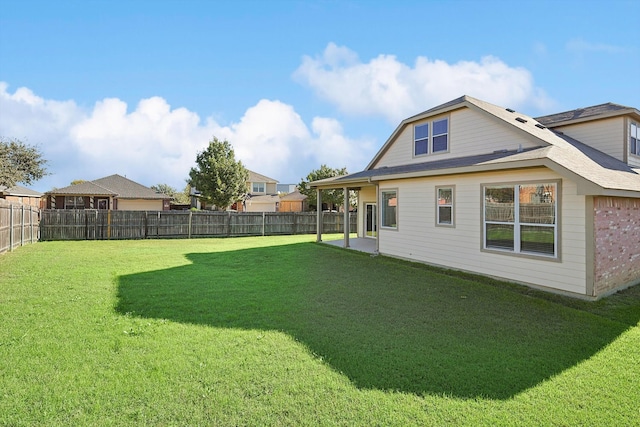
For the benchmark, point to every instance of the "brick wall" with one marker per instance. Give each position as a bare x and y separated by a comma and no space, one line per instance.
617,234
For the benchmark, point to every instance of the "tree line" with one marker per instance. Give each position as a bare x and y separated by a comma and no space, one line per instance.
219,178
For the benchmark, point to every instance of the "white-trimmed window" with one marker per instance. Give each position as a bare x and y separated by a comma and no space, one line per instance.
440,140
258,187
389,208
421,139
521,218
634,139
431,137
73,202
444,206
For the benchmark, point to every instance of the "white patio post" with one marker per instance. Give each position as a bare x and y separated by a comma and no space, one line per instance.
319,215
346,217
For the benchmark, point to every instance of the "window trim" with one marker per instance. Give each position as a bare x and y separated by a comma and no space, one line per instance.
388,190
430,137
452,205
433,136
263,184
556,257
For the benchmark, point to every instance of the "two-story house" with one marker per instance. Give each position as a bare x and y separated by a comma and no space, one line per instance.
552,202
262,194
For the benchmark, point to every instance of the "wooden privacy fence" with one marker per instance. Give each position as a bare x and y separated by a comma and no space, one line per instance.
19,225
58,224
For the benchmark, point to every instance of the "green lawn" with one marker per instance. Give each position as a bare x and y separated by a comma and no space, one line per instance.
284,331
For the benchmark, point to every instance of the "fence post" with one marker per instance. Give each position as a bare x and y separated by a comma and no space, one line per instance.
263,221
228,224
109,224
294,227
31,222
22,226
10,228
146,224
190,219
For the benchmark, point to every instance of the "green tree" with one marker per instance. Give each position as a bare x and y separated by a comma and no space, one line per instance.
332,198
78,181
176,196
20,162
220,179
164,189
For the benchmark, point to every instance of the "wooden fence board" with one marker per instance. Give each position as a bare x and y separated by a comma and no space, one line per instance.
19,225
90,224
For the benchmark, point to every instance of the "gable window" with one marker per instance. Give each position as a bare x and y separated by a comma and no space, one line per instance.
430,138
73,202
258,187
522,218
634,139
444,208
440,136
389,209
421,135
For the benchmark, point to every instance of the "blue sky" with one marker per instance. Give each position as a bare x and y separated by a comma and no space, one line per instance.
139,87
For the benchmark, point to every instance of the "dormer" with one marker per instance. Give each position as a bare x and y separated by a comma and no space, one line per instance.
611,128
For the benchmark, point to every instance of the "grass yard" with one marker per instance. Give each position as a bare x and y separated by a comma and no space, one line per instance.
284,331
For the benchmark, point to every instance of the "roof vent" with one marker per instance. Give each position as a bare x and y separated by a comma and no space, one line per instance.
521,120
538,125
511,110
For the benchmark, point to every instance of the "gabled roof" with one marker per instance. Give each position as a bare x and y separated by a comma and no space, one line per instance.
127,189
18,190
256,177
595,112
595,172
113,185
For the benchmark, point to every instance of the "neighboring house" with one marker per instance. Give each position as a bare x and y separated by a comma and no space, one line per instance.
262,194
19,194
553,202
294,202
113,192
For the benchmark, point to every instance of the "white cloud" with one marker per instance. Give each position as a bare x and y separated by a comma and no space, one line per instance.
579,45
157,144
388,88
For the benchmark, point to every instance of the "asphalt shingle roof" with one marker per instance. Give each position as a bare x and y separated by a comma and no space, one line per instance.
556,151
113,185
18,190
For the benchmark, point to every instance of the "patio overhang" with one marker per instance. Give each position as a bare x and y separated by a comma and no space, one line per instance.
343,183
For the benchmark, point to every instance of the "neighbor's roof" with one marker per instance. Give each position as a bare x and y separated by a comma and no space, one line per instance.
113,185
18,190
595,112
256,177
293,196
594,171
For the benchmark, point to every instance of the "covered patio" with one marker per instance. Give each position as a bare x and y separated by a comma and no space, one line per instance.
367,226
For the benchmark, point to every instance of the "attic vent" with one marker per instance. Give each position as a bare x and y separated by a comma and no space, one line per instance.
510,110
538,125
521,120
